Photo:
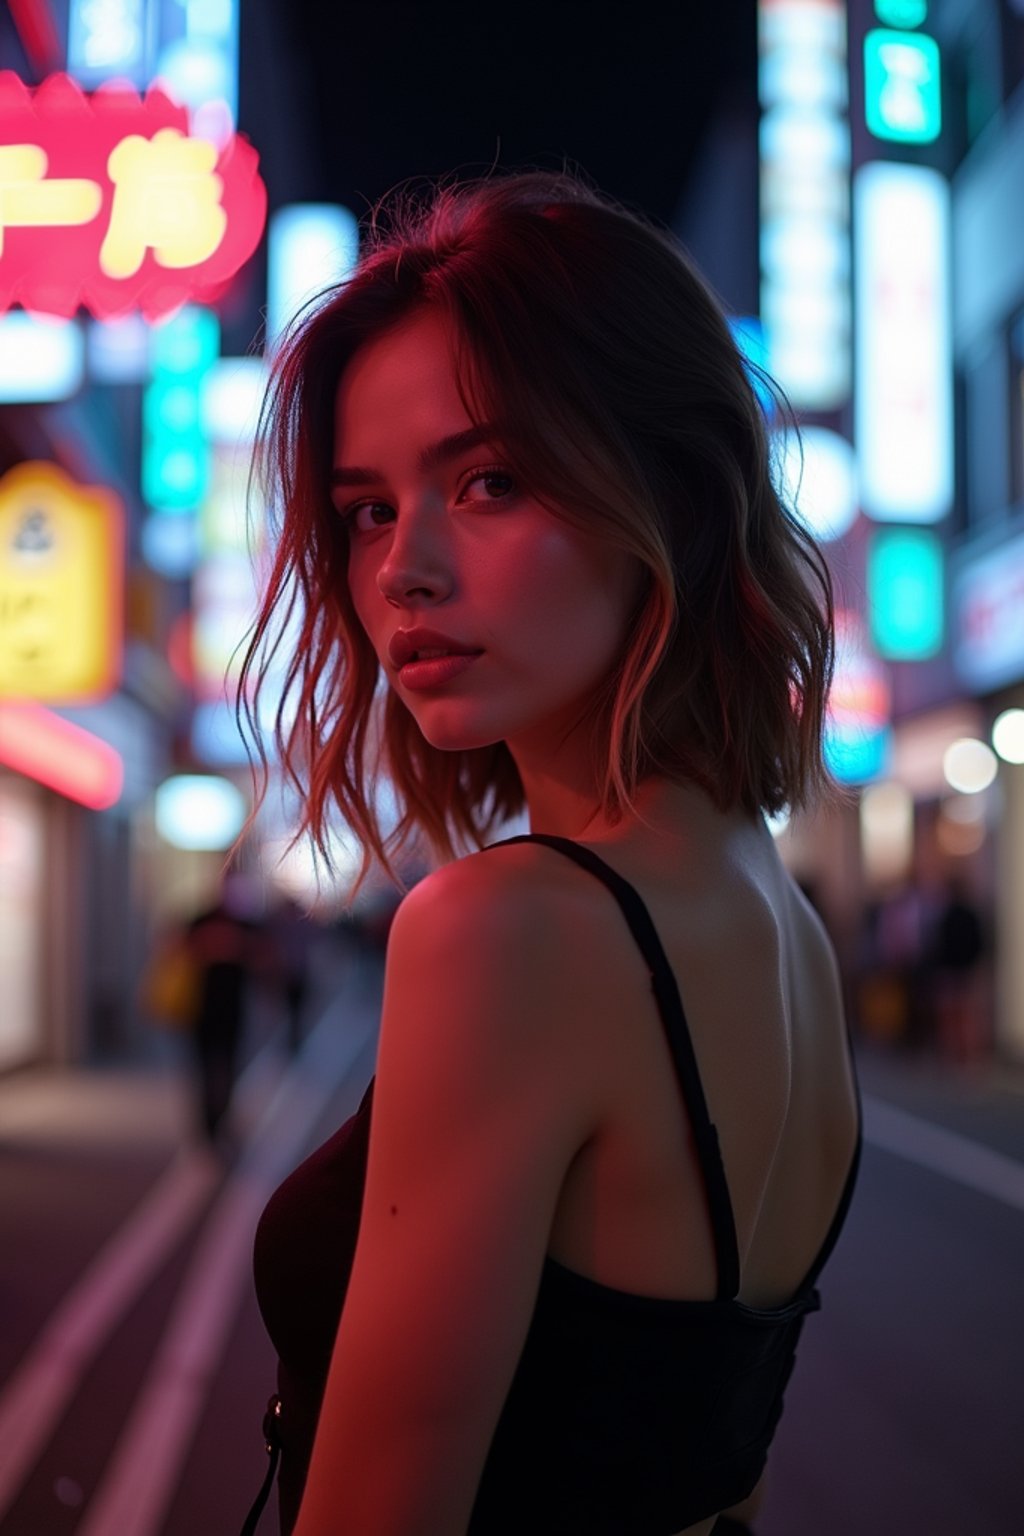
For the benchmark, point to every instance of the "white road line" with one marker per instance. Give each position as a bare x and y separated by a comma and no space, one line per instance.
46,1380
141,1477
945,1152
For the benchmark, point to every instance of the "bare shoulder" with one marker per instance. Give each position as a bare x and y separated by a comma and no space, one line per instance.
496,877
483,1009
508,934
502,897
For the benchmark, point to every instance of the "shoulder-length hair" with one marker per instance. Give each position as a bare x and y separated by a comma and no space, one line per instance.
627,409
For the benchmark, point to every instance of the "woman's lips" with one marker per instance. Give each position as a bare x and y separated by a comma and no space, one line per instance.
435,670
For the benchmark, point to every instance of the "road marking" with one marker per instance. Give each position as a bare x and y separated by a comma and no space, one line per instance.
143,1473
46,1380
956,1157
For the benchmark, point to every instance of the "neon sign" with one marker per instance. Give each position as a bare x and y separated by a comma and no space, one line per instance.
804,153
44,746
107,202
858,735
61,581
988,599
905,583
903,394
902,86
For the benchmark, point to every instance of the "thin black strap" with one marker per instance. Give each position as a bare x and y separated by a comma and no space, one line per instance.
670,1006
272,1440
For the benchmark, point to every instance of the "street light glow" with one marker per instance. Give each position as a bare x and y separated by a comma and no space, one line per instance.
969,765
1008,735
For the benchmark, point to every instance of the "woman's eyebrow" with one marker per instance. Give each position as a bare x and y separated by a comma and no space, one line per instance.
445,449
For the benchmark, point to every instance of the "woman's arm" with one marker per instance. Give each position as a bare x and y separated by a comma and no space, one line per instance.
479,1108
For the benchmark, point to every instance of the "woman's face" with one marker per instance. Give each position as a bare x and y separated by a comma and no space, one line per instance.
442,535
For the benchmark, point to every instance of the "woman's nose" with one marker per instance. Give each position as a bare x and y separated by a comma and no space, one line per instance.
416,561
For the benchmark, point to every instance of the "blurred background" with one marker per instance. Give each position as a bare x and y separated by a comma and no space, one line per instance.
176,178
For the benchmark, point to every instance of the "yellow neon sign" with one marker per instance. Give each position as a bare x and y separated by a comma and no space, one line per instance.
61,586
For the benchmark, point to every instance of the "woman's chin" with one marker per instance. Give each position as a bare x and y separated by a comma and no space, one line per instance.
455,738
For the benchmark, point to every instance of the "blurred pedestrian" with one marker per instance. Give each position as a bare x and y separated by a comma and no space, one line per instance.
169,986
959,949
226,944
893,987
531,1286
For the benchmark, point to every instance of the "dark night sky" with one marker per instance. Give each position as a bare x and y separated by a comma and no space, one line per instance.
394,90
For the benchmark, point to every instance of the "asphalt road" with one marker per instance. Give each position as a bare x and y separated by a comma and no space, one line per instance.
134,1368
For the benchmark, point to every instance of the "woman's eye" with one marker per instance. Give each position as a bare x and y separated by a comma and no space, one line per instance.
497,484
350,517
481,486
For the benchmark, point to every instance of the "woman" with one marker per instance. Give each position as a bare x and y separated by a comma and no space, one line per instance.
525,479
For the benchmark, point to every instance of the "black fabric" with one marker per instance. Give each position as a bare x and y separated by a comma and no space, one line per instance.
273,1446
304,1247
628,1415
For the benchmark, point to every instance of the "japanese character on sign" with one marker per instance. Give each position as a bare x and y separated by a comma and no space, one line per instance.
167,199
28,198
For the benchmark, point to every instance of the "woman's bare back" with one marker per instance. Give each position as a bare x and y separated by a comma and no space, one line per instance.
761,994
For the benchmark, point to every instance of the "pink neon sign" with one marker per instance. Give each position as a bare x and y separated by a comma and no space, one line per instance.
44,746
108,203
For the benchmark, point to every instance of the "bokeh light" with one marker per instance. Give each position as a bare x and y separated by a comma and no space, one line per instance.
199,811
969,765
1008,735
960,829
886,830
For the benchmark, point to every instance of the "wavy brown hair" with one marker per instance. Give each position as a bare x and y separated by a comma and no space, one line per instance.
627,409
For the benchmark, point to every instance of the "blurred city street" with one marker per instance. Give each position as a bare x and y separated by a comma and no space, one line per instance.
136,1368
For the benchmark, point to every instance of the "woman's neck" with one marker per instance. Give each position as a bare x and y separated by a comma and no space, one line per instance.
664,811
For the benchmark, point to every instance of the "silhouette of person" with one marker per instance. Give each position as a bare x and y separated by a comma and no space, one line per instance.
958,951
221,940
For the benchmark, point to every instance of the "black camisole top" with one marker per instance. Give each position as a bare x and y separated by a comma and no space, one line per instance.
628,1415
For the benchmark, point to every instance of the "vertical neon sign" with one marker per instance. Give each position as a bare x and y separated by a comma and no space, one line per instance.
805,167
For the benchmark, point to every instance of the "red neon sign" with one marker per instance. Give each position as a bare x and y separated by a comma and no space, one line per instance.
106,202
46,747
